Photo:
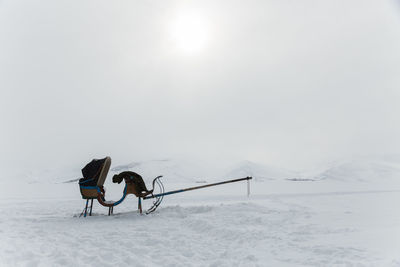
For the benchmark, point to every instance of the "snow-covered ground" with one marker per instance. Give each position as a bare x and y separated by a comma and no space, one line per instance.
332,218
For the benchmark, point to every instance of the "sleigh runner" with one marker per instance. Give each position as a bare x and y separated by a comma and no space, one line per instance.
95,173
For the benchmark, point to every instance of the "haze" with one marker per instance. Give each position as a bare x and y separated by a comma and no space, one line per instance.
290,83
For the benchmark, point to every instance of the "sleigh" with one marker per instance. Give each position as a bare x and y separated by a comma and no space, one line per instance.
95,173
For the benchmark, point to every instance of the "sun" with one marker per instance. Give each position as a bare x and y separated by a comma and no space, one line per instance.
189,32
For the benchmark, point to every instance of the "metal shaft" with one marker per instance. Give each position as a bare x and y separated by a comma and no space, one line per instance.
196,187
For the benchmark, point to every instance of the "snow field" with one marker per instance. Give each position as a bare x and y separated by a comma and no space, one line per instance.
281,224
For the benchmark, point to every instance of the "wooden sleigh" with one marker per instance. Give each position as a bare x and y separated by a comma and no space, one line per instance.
95,174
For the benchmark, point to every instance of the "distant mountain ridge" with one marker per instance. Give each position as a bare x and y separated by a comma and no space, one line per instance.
188,170
363,169
260,172
182,170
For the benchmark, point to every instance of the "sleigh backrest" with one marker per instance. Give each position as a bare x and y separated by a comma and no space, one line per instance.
104,171
95,172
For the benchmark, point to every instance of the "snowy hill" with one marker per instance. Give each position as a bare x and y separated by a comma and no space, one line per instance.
259,172
55,175
174,170
195,171
363,169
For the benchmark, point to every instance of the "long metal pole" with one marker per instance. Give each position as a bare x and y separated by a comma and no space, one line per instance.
196,187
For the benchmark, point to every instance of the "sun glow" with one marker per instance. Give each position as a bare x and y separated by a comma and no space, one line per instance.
189,32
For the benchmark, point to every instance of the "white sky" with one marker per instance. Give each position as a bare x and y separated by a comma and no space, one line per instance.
283,82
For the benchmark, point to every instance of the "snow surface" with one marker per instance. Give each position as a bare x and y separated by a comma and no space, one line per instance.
333,220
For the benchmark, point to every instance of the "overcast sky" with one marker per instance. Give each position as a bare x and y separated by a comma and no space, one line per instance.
283,82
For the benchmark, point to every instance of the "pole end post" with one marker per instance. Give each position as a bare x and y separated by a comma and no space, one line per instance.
248,186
